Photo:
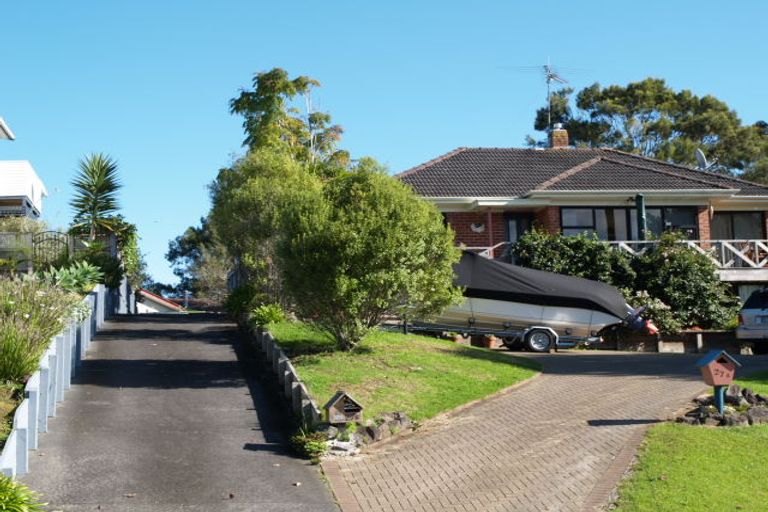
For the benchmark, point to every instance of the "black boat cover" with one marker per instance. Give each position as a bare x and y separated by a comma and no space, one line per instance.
488,279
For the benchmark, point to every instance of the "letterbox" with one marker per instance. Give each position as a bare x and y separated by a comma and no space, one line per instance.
718,368
342,408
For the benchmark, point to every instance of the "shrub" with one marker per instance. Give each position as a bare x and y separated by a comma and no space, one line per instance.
97,255
311,445
243,299
21,225
15,497
581,256
680,285
267,314
31,313
368,248
79,277
686,280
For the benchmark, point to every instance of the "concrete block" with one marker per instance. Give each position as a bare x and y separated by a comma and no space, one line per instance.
287,384
61,362
32,394
21,427
52,378
296,396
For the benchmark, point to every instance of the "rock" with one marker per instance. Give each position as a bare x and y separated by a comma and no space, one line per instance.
688,420
357,438
704,399
330,431
343,448
757,415
373,432
734,390
761,399
385,432
736,420
712,421
405,421
749,396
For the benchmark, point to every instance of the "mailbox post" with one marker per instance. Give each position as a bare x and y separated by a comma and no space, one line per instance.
342,408
718,368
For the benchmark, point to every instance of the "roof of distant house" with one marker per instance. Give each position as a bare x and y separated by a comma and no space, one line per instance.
160,300
517,172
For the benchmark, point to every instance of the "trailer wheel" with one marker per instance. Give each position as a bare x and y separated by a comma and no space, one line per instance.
539,340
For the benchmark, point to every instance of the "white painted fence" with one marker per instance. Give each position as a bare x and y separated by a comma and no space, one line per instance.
47,385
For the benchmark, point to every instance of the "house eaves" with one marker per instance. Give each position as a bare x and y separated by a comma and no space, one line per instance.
698,192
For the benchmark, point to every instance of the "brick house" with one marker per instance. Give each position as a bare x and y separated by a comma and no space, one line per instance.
491,196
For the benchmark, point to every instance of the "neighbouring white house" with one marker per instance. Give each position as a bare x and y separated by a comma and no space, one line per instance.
21,190
148,302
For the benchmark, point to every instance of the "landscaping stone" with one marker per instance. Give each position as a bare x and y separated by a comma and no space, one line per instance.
761,399
758,415
329,430
745,407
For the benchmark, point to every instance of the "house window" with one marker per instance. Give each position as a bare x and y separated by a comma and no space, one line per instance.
682,219
606,223
621,223
738,226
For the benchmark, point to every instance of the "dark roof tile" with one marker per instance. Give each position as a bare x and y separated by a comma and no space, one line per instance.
514,172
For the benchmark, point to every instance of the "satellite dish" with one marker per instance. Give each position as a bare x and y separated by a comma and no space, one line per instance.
702,159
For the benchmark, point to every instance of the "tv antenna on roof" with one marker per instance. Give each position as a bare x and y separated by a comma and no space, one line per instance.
550,75
701,158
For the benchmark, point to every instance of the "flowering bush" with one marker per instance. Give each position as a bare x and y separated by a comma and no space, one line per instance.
31,313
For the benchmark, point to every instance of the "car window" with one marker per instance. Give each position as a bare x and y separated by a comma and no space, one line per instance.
758,300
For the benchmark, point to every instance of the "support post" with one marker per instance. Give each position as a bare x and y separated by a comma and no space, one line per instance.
720,398
642,219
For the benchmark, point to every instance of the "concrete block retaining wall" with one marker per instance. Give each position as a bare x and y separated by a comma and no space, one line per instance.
294,389
45,388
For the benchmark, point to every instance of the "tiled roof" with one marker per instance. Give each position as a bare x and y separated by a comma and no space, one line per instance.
514,172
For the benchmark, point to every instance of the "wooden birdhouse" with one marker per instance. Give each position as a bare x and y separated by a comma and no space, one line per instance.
718,368
342,408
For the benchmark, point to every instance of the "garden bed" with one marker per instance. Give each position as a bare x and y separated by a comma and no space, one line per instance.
418,375
692,468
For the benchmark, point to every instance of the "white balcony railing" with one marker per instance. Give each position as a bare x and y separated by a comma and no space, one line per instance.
726,254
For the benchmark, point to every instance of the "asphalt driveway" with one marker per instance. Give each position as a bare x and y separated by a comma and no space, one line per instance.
165,415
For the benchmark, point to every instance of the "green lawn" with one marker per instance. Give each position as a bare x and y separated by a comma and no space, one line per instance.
683,468
395,372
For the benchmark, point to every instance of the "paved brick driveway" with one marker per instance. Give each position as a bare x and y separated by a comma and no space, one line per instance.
557,443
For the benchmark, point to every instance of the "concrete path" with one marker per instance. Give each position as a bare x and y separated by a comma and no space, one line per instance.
557,443
163,417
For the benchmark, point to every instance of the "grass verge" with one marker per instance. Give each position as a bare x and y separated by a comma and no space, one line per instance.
396,372
682,468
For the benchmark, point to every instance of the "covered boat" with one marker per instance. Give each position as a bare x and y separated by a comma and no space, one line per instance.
540,309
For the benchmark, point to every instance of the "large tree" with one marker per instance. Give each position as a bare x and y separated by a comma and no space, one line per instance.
95,198
272,120
652,119
368,247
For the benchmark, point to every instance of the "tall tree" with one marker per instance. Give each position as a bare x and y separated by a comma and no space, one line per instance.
95,199
272,120
651,119
186,251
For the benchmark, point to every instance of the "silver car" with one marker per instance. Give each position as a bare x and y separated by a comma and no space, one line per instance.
753,317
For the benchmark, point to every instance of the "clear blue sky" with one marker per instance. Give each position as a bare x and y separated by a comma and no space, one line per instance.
149,81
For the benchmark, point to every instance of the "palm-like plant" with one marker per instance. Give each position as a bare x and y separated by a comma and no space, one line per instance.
95,199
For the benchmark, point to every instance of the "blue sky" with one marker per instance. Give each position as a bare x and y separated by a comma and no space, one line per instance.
149,82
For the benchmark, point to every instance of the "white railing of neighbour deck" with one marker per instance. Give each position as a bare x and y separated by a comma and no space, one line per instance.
726,254
46,387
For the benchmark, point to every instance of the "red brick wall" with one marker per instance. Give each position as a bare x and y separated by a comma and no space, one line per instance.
549,219
704,229
495,228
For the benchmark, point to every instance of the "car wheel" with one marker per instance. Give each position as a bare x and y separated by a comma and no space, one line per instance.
539,340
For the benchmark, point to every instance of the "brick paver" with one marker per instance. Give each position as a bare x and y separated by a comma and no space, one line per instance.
557,443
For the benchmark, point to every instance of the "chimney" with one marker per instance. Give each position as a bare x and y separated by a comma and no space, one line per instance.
558,137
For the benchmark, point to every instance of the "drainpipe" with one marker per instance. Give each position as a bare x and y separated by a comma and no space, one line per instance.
642,220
